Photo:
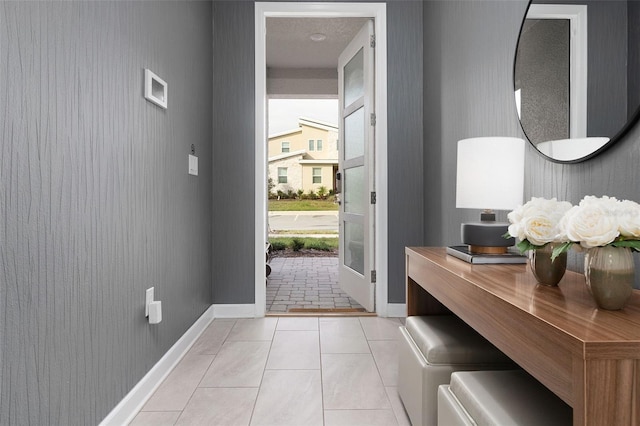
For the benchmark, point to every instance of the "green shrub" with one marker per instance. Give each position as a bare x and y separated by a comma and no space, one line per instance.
322,192
300,192
317,244
270,186
278,245
297,244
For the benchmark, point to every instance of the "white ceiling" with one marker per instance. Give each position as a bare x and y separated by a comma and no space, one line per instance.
289,45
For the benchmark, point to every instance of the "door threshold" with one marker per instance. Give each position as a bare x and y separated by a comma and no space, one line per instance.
329,312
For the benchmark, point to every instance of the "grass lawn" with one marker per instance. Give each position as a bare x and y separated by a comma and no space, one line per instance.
301,205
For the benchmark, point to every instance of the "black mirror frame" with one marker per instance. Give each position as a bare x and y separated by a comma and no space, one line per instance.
615,138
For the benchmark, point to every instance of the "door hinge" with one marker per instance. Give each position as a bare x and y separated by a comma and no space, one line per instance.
373,276
372,41
373,119
373,197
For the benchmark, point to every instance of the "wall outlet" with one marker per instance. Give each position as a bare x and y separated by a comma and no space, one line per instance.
148,299
155,312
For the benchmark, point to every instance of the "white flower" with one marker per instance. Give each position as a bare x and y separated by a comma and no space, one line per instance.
537,221
540,230
628,215
605,201
592,223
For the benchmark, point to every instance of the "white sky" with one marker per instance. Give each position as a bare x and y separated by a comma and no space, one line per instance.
284,113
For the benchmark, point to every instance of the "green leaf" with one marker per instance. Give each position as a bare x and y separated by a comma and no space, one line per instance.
632,244
506,235
525,245
562,248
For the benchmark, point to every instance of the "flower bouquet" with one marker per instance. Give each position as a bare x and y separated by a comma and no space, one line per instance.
536,225
600,222
609,230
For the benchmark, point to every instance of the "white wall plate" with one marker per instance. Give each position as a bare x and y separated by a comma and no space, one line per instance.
155,89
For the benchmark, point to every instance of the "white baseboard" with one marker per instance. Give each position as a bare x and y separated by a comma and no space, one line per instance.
397,310
235,311
127,409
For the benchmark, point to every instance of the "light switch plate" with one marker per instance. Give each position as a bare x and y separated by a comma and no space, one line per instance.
193,165
148,299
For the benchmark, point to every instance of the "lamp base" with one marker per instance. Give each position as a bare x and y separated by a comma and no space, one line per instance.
486,237
487,250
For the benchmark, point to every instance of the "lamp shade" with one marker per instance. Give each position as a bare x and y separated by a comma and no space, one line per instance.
490,173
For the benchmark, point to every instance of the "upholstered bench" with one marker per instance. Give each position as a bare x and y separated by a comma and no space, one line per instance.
499,398
431,348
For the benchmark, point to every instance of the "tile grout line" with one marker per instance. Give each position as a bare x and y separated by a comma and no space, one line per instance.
196,388
375,362
321,375
264,369
207,369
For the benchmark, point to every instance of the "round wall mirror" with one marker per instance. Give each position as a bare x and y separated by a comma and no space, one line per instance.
577,76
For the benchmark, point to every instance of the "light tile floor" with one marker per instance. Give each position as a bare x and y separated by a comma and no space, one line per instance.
284,371
305,282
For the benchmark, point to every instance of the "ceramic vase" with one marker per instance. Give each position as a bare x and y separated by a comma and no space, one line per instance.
609,272
545,270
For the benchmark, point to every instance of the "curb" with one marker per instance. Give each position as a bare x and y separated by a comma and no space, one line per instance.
305,213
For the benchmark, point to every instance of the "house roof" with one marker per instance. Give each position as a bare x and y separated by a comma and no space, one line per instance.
285,133
304,121
287,155
325,161
317,124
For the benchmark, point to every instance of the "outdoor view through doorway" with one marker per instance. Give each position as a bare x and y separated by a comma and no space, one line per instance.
302,156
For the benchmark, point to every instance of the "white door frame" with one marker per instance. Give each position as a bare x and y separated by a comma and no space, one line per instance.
576,14
377,11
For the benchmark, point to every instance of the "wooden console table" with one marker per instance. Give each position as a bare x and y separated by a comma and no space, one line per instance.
588,357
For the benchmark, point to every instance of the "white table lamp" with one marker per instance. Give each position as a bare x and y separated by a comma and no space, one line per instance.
490,176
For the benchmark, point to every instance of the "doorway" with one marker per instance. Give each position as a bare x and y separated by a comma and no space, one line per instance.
377,11
303,221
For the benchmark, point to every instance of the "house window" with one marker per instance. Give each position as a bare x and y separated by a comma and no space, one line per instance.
317,175
319,145
282,175
285,147
312,145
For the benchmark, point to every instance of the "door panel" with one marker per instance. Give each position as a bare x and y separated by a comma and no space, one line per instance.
354,188
355,71
354,243
354,133
354,78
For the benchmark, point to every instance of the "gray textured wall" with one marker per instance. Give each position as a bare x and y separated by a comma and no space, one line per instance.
468,65
469,47
234,152
96,204
633,72
404,137
234,155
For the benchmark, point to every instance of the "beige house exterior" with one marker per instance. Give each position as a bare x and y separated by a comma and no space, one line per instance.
304,158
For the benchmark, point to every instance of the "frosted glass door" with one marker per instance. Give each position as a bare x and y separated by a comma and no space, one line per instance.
356,156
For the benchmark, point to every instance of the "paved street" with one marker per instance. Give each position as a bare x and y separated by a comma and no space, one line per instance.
307,221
